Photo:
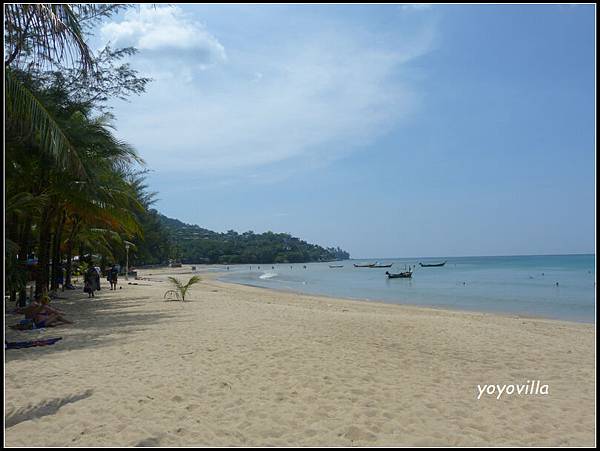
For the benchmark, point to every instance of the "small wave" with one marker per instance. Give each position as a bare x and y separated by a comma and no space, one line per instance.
268,275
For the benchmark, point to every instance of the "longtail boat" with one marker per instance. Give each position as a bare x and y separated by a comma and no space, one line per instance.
336,266
432,264
400,275
370,265
382,266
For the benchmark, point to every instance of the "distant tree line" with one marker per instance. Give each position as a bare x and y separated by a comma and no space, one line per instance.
193,244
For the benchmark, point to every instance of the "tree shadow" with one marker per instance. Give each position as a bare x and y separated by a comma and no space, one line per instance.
99,321
45,408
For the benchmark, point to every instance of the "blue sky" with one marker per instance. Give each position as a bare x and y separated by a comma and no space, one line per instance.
389,130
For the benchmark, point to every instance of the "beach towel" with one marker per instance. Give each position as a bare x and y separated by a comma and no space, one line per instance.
30,344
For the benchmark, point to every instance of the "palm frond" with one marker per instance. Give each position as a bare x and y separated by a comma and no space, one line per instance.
193,280
51,31
180,289
22,203
29,112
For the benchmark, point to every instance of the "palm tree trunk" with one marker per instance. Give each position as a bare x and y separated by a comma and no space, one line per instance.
69,254
24,243
56,256
41,281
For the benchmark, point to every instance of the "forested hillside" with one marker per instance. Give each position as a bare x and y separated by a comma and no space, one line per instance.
193,244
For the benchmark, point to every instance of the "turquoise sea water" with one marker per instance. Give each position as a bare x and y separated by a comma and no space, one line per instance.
524,285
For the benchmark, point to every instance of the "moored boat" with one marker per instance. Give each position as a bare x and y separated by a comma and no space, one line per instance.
369,265
336,266
425,265
400,275
382,266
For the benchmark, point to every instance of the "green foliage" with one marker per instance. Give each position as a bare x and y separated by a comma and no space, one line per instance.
46,33
180,290
198,245
155,245
71,185
31,116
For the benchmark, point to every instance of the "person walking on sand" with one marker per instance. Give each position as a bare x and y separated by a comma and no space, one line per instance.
113,275
97,278
89,281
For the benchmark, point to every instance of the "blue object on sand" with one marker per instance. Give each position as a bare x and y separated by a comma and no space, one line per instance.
31,344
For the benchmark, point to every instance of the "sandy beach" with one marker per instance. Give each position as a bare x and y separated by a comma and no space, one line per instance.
244,366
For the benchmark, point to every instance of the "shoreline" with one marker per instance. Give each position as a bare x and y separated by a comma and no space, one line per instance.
248,366
426,307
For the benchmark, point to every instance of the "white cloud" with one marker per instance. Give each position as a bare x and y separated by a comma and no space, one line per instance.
167,35
299,102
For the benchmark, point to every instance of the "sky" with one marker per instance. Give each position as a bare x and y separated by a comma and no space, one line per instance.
387,130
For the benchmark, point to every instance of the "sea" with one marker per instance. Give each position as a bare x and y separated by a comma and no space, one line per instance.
549,286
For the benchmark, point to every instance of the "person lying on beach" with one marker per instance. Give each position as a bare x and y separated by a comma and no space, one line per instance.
43,315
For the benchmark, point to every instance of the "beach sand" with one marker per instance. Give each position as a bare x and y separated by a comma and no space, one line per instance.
244,366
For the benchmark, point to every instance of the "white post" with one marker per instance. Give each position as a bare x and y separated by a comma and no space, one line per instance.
127,264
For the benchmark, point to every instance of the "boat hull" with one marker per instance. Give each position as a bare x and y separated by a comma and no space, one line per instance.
433,265
402,275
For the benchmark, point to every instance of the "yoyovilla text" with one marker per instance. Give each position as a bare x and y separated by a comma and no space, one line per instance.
529,388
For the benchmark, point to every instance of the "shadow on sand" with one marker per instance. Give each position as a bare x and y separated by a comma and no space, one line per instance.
45,408
98,321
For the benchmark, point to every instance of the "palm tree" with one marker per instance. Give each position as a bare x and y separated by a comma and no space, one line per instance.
180,290
41,34
70,185
46,35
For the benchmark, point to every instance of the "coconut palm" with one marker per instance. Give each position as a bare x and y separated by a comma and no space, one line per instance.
180,290
41,34
46,32
71,185
46,35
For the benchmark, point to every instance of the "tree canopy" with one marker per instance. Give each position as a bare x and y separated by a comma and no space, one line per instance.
193,244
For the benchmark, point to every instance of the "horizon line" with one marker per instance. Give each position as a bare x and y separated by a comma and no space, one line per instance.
474,256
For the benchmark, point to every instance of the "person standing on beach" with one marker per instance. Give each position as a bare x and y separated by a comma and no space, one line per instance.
97,278
112,277
89,281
